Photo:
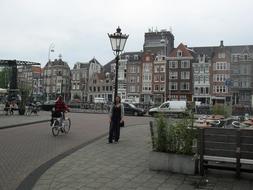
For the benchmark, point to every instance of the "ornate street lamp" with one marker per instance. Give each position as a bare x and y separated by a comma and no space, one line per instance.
50,49
118,42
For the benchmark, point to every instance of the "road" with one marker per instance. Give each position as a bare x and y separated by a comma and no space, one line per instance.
23,149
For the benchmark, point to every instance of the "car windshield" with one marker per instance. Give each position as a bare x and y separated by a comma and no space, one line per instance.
133,106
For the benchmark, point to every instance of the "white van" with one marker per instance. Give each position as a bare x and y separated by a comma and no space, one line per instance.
170,107
99,100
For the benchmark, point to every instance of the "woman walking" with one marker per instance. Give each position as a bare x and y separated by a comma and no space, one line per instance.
116,119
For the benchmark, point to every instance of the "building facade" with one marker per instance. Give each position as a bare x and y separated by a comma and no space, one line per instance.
57,79
220,74
159,78
158,42
201,79
179,69
241,75
101,86
147,78
133,75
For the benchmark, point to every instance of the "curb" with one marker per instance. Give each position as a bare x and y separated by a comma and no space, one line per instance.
23,124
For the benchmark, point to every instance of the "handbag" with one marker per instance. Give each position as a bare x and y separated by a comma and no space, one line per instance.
122,124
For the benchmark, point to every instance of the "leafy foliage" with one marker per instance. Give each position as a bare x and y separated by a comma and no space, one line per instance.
175,137
5,75
220,109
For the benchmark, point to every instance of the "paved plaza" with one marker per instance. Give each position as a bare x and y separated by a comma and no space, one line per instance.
124,166
99,165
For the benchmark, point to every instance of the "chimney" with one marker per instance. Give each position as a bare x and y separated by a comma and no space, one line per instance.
221,43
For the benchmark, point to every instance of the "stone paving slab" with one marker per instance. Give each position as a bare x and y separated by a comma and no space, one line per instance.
124,166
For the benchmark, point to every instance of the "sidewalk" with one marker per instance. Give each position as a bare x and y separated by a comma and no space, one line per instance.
8,121
124,166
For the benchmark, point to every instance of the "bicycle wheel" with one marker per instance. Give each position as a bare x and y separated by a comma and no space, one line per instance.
67,124
55,129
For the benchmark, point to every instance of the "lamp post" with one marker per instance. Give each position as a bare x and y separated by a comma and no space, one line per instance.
118,42
163,41
50,49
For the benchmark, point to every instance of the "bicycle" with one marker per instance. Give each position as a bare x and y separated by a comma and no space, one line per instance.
60,125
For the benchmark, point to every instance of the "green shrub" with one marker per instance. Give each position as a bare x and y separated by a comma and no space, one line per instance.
162,134
176,137
220,109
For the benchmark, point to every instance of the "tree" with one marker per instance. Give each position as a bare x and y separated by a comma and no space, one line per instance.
4,77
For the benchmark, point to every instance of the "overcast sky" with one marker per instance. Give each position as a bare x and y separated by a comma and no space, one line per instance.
78,28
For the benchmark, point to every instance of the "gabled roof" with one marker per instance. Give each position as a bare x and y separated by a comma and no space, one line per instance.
82,65
186,52
209,50
94,60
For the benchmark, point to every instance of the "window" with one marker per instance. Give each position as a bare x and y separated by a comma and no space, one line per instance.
245,57
185,86
206,78
173,85
206,69
156,68
173,64
222,66
221,55
157,78
162,87
162,68
146,87
156,87
138,79
162,78
196,69
220,89
131,79
185,75
132,88
185,64
179,53
173,75
182,97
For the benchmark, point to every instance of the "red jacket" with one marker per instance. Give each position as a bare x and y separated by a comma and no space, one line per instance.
60,106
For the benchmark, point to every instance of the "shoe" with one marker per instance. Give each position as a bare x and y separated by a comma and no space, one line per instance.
110,142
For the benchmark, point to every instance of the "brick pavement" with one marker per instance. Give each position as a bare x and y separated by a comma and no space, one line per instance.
124,166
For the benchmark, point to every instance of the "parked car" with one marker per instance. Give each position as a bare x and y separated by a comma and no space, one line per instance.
48,105
131,109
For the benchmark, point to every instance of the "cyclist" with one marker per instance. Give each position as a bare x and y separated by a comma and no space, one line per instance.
60,108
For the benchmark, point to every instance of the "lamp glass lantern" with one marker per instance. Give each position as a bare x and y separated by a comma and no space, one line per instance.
118,41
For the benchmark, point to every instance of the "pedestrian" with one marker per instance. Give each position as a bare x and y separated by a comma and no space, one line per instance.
7,107
116,119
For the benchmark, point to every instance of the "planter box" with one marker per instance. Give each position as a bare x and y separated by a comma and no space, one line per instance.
177,163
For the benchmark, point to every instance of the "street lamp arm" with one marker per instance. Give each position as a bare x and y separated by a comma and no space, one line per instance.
50,49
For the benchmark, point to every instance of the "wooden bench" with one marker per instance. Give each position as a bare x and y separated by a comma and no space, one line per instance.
231,148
